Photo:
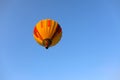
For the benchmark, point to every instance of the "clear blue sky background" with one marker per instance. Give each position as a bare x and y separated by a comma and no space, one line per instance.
88,50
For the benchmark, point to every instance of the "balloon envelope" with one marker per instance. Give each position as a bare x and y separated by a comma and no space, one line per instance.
47,32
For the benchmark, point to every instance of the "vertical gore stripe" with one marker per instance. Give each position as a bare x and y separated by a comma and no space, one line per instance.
49,23
37,34
58,30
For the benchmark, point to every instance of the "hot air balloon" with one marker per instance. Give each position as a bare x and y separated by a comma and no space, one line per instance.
47,32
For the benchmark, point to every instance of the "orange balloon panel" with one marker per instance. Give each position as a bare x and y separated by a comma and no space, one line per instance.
47,32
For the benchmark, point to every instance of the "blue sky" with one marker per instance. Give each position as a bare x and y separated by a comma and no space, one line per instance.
88,50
